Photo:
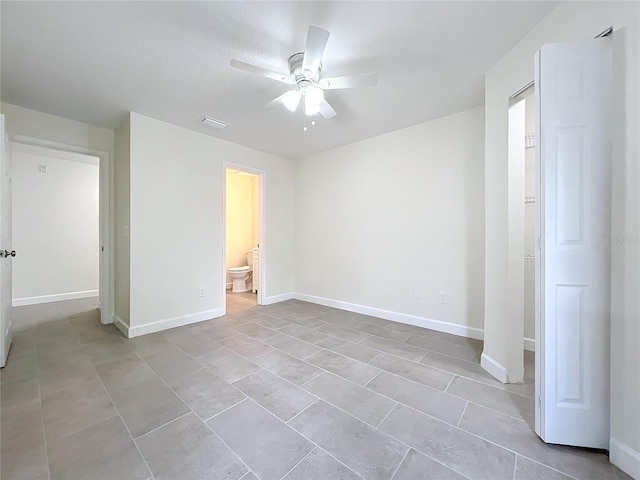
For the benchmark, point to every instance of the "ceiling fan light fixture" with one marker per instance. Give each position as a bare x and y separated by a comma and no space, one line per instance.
310,107
314,94
291,100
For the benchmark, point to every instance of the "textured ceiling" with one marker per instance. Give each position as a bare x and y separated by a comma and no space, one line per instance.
95,61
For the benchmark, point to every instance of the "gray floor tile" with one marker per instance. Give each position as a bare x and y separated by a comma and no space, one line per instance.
270,450
245,346
346,367
349,349
493,398
413,330
187,449
288,367
293,346
205,392
227,364
458,351
90,453
474,371
23,454
303,333
269,321
215,331
249,476
320,465
383,332
107,350
305,320
529,470
518,436
147,405
432,402
417,372
341,332
462,341
465,453
415,466
20,398
359,446
172,363
148,344
358,401
394,348
280,397
256,331
75,408
192,342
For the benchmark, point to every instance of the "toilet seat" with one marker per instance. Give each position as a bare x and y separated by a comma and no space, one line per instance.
246,268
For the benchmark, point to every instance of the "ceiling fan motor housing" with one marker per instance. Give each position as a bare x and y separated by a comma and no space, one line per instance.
303,78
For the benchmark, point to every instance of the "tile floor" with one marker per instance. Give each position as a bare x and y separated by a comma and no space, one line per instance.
287,391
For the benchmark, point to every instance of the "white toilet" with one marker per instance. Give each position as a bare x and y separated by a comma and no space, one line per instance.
240,275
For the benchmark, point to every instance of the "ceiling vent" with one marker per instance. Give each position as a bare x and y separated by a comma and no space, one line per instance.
212,122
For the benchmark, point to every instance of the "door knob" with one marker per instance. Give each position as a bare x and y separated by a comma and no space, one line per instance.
7,253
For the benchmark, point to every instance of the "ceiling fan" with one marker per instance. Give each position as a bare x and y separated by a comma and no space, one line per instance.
305,74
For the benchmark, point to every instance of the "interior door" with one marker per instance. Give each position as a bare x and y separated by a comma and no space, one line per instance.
573,86
6,253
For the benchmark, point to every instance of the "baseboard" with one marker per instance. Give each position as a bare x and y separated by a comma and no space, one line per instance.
229,285
167,323
625,458
121,325
455,329
530,344
58,297
494,368
279,298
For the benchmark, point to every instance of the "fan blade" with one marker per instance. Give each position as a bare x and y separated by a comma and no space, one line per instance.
351,81
247,67
314,49
289,99
326,110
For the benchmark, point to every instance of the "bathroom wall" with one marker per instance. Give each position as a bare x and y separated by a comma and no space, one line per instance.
241,216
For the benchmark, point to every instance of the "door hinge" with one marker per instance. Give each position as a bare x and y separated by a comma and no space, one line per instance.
539,402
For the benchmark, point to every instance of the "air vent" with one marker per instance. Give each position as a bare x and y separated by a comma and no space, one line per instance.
212,122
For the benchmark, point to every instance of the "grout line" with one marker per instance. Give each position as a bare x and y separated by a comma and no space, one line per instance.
398,466
303,410
224,410
385,417
366,385
298,463
369,362
462,414
123,422
44,437
515,467
226,444
163,425
313,378
450,382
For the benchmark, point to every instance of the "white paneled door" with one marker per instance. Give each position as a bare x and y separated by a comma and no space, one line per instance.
6,252
573,86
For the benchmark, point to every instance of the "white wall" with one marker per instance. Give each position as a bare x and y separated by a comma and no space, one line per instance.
529,222
402,211
240,218
577,21
122,204
55,225
176,230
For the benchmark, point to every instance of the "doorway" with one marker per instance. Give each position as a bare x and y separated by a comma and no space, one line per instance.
46,159
243,236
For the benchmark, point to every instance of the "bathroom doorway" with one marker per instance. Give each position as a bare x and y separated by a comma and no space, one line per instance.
243,234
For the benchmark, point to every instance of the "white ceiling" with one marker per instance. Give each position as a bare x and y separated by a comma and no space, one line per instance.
95,61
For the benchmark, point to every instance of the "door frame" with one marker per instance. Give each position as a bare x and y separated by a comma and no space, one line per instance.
106,267
262,240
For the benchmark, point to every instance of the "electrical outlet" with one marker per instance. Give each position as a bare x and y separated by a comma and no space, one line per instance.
443,297
203,292
417,293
